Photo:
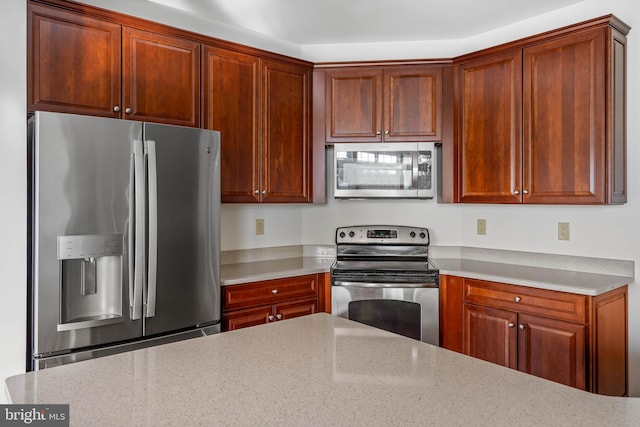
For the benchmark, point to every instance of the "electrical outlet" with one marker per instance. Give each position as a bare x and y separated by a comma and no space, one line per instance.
563,231
259,227
481,227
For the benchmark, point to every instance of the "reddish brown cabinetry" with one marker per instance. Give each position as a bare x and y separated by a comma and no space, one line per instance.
75,67
266,154
74,63
543,122
269,301
577,340
383,104
160,78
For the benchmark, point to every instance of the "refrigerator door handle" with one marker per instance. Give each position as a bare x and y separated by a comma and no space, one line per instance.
138,236
152,176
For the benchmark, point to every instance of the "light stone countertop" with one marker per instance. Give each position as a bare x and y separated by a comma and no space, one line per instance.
316,370
576,282
234,274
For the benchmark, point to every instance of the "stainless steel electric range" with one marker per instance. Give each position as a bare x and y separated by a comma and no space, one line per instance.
383,277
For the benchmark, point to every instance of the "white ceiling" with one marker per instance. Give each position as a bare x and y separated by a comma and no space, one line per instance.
308,22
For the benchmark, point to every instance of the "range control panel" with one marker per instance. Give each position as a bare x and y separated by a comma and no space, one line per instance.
382,234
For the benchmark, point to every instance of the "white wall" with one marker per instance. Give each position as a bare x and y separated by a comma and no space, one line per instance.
13,188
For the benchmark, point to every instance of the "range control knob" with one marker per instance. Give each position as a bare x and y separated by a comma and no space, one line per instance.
351,234
422,235
412,234
342,234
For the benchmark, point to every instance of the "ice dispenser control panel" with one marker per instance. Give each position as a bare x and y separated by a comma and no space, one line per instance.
88,246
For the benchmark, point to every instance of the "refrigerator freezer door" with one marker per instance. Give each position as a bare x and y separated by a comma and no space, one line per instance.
184,228
80,199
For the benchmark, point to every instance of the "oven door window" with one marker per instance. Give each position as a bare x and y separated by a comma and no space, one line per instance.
400,317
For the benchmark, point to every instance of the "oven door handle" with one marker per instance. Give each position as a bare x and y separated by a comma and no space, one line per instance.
384,285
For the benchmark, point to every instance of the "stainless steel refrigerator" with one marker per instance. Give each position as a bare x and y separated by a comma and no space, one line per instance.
124,237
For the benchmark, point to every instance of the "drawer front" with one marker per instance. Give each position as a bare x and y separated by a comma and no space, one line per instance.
269,292
523,299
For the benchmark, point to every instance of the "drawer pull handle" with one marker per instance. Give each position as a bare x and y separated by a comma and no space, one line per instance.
511,324
270,318
279,316
274,291
517,299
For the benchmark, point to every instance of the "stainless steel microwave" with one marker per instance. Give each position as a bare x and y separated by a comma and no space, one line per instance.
396,170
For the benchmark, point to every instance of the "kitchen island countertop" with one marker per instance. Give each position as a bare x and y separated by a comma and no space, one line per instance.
312,370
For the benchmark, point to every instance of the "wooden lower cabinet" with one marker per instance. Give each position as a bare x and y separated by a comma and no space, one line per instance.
266,314
268,301
576,340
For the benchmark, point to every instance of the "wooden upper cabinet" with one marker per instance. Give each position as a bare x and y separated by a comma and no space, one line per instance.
353,105
412,104
74,63
286,149
161,78
489,134
565,91
383,104
545,123
230,87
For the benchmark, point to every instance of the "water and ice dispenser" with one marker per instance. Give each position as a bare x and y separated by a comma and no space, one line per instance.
90,280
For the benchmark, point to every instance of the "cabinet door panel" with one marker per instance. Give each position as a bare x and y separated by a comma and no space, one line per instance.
74,63
296,309
354,106
245,318
564,120
489,131
161,78
230,91
490,334
412,104
552,349
285,135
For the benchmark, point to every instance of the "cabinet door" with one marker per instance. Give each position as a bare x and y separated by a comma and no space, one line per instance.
160,78
353,105
295,309
230,89
245,318
552,349
73,63
490,334
286,147
489,130
413,104
564,119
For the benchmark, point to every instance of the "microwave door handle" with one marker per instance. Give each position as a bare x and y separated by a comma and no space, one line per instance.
137,256
415,156
150,148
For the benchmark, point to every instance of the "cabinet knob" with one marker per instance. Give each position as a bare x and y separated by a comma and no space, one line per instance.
279,316
378,133
517,299
516,192
525,191
274,291
264,192
511,324
256,192
127,110
386,132
521,326
116,109
270,318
